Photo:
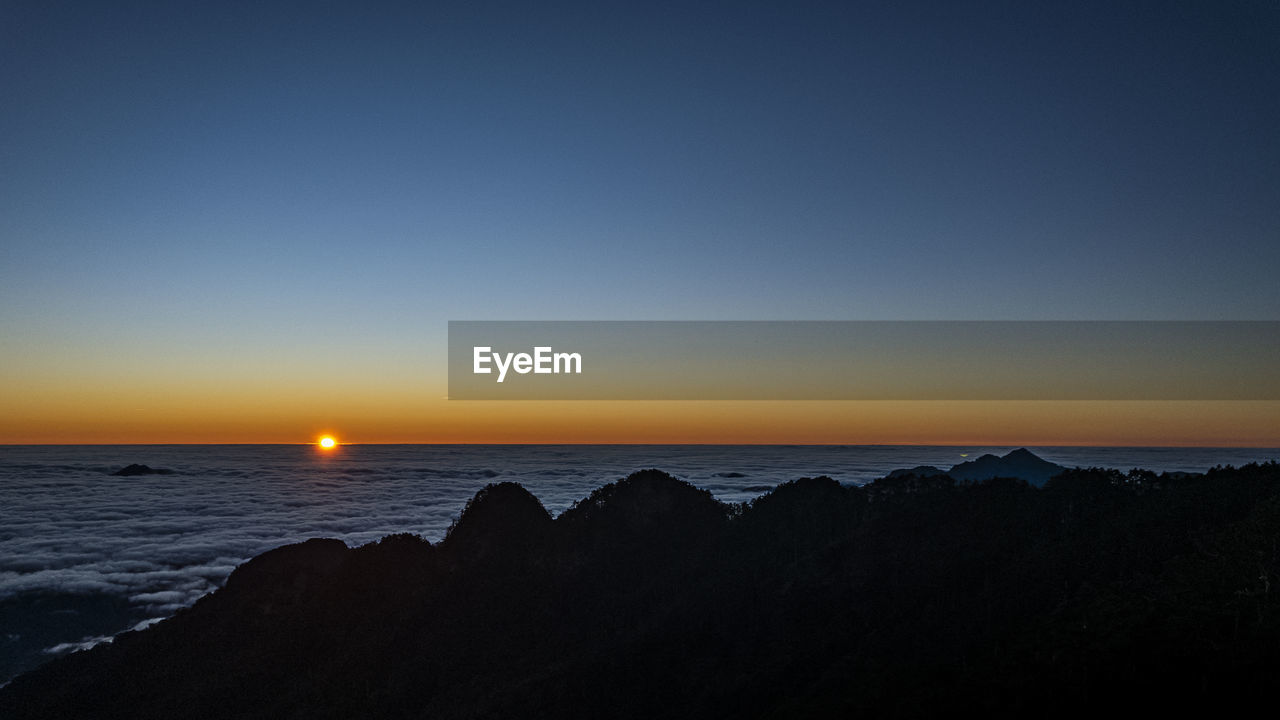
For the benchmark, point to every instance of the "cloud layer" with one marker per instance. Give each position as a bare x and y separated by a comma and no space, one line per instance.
162,541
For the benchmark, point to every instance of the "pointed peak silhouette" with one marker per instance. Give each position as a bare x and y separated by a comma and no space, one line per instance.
498,514
1021,463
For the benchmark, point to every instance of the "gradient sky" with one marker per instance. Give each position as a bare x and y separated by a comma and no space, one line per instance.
251,221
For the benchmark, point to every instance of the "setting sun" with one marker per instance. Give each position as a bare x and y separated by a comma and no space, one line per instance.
328,443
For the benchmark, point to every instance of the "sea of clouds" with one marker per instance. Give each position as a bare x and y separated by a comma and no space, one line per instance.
163,541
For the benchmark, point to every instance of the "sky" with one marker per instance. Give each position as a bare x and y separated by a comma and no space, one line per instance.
251,222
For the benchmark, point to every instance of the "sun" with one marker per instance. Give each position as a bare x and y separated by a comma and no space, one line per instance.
327,442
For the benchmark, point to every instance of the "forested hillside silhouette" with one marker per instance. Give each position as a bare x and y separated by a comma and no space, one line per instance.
910,596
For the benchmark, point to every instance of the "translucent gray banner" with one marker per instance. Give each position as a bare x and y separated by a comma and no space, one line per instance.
864,360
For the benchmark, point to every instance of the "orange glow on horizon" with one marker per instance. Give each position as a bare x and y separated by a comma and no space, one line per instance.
199,402
375,417
327,443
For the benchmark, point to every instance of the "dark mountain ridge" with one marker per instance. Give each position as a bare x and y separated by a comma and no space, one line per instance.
1021,464
909,596
136,469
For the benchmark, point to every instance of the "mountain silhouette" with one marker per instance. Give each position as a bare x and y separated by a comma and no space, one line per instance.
137,469
909,597
1021,464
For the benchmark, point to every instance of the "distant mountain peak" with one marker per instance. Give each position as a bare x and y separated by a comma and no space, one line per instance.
1020,463
137,469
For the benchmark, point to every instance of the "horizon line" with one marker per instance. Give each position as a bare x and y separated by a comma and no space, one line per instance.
635,444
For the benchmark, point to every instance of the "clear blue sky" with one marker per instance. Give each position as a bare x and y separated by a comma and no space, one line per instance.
260,177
